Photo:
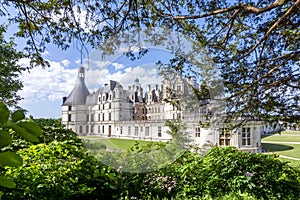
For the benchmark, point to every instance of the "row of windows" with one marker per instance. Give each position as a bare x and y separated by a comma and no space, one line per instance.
105,97
225,137
101,129
100,117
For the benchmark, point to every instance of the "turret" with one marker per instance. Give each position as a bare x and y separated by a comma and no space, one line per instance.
79,92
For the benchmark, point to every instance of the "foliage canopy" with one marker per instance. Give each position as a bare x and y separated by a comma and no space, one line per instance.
255,44
10,70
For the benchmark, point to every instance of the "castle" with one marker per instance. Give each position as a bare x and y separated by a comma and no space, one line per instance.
132,113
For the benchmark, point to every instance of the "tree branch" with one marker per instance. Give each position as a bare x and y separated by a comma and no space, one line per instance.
285,15
245,7
230,26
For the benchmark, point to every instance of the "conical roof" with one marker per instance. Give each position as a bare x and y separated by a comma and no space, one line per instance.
80,91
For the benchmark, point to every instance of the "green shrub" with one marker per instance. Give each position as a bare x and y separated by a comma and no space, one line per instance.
226,170
60,170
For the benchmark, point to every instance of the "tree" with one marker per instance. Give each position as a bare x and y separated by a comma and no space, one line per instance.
254,43
10,70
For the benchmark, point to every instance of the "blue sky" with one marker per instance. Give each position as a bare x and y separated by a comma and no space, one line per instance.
44,88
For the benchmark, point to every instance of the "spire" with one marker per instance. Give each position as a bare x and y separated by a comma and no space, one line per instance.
81,72
79,92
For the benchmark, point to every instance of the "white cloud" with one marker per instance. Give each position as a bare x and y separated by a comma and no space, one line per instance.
47,84
146,75
53,83
65,62
96,64
128,69
118,66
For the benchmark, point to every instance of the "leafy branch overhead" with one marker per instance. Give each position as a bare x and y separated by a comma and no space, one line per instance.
255,44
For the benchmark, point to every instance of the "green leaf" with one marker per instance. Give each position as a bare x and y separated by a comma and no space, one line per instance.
31,128
4,113
5,138
23,133
17,115
10,159
7,182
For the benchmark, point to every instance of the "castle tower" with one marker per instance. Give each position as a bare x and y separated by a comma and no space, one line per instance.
80,91
74,108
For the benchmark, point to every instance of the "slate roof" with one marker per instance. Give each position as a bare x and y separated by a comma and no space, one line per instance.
80,92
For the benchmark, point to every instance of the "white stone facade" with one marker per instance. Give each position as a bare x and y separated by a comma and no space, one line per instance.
113,111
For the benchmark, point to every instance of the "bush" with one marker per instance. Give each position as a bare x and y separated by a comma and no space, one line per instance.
60,170
226,170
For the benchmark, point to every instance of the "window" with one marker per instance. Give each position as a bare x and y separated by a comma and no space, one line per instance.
99,99
197,132
121,130
92,129
69,117
109,105
92,117
103,129
99,129
87,129
109,116
87,118
99,117
224,137
129,130
80,129
159,132
179,116
136,131
147,131
179,88
246,135
103,116
69,108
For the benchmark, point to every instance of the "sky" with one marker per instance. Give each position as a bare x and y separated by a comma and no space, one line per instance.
44,88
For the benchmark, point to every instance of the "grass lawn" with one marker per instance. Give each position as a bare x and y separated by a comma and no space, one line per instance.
281,138
285,136
290,133
290,150
115,143
284,149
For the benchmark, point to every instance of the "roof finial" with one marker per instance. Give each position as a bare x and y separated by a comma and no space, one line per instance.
81,72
